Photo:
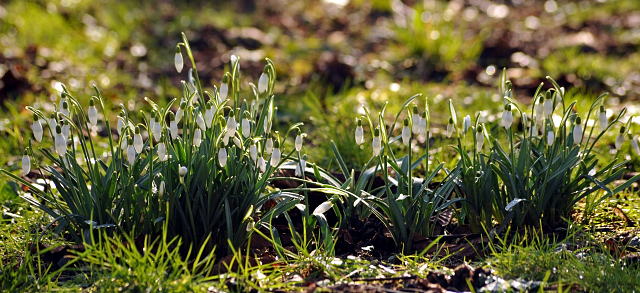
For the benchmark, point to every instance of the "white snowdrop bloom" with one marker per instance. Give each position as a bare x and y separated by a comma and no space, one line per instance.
298,141
253,152
224,89
161,189
53,122
415,119
66,129
406,132
162,152
131,152
36,127
540,110
268,146
263,82
180,112
233,59
26,164
603,119
157,129
620,138
634,145
466,123
60,142
192,81
120,125
232,125
182,171
577,131
422,129
124,144
222,155
246,125
507,117
92,113
301,166
550,137
267,124
450,128
479,138
377,142
323,208
534,129
197,137
359,132
200,122
152,123
65,109
237,142
179,62
208,114
173,126
137,141
262,164
276,155
548,106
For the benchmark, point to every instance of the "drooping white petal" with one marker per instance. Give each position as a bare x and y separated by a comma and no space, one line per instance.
232,125
224,91
173,127
197,137
275,157
66,131
237,142
179,115
200,122
359,135
208,117
262,164
268,146
246,127
253,152
479,141
161,189
26,165
577,134
137,142
634,146
37,130
423,127
619,141
60,144
179,62
222,157
507,119
131,154
183,171
157,130
93,115
449,130
415,127
263,82
406,135
376,145
603,121
466,123
298,142
323,208
548,107
550,137
162,152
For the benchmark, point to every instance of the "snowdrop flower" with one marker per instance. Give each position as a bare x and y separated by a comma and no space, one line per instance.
406,132
37,128
53,122
173,126
182,171
197,137
200,122
157,128
180,111
179,62
479,138
548,105
192,81
131,151
298,142
92,112
275,156
237,142
267,124
246,125
268,146
603,119
359,132
224,89
65,109
162,152
301,166
66,129
634,145
540,110
152,123
534,126
577,131
232,125
466,123
415,118
120,124
222,155
137,141
377,142
124,144
422,129
450,128
550,137
620,138
26,163
253,152
323,208
60,142
262,164
233,59
225,138
208,114
263,82
161,189
507,116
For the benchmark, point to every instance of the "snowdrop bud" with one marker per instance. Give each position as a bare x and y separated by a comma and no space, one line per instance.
92,113
377,142
246,125
197,137
157,129
200,122
173,126
268,146
152,123
479,138
224,89
222,155
137,141
577,131
36,127
60,142
466,123
208,114
66,129
161,189
634,145
120,125
180,111
233,59
323,208
225,138
359,132
53,122
550,137
301,166
253,152
179,62
507,117
250,226
298,142
620,138
65,109
232,125
415,118
423,124
192,81
603,119
406,132
182,171
262,164
450,127
263,82
26,163
162,152
275,156
237,142
131,151
548,105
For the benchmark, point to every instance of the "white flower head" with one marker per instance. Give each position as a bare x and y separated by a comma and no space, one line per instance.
377,142
65,108
197,137
26,163
268,146
466,123
263,82
276,155
422,129
60,142
620,138
232,125
36,127
120,124
179,62
246,125
577,131
200,122
323,208
53,122
182,171
173,126
222,155
262,164
406,132
634,145
548,105
603,119
131,152
450,128
180,112
298,141
162,152
415,119
507,117
359,132
161,189
253,152
224,89
137,141
208,114
92,112
550,137
479,138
